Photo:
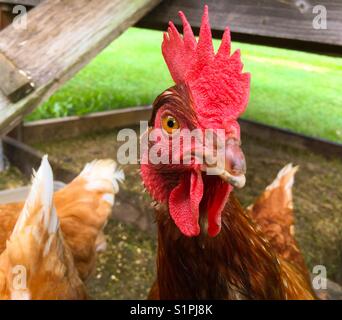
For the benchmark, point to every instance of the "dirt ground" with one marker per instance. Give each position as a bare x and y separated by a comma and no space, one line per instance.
12,178
126,270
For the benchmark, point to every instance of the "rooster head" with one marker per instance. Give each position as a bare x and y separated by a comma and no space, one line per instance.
210,93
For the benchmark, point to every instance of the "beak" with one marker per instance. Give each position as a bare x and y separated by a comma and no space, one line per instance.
232,167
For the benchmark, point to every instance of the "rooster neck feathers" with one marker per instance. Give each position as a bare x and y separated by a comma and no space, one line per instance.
223,267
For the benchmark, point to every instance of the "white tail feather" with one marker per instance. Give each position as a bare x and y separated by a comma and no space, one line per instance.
98,172
289,170
41,193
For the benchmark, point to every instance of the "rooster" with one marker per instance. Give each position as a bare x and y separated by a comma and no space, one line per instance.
208,246
37,263
83,207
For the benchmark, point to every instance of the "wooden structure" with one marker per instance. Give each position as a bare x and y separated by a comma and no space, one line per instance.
283,23
60,38
6,15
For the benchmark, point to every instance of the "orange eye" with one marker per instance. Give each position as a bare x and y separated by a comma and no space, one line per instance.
170,124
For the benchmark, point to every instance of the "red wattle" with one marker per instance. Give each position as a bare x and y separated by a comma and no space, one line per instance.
184,203
215,206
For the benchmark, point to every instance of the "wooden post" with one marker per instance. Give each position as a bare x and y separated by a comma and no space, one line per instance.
2,157
6,15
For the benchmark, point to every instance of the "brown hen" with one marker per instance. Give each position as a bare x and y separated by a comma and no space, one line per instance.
273,212
37,263
83,207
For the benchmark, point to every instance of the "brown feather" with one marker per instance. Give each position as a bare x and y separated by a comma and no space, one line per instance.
273,211
237,264
83,214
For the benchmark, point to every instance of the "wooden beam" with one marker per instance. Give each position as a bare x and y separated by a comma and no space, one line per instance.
15,83
68,127
292,139
25,158
61,37
283,23
6,15
2,158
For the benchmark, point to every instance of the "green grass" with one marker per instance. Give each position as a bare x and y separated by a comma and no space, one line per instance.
290,89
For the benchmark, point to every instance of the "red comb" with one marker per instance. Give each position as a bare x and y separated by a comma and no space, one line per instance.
219,88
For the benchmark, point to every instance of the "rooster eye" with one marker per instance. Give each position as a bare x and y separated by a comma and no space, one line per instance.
170,124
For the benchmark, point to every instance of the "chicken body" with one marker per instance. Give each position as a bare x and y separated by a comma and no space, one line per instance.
37,263
208,246
228,255
239,263
273,212
83,207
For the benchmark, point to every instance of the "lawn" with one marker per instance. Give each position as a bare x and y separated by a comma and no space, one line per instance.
294,90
